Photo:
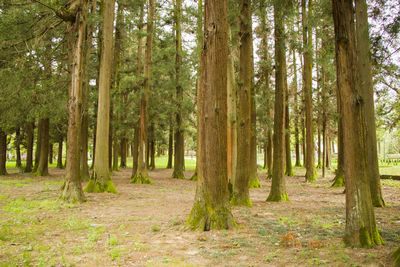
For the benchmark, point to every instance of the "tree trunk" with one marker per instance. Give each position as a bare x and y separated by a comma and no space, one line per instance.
328,161
72,189
278,186
3,152
51,153
38,145
152,149
100,180
18,163
141,175
367,93
115,154
170,146
296,111
135,148
29,129
241,195
124,152
60,154
361,230
307,87
179,159
42,169
211,208
288,155
319,152
339,180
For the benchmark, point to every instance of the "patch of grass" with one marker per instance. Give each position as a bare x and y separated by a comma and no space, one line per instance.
23,205
74,223
16,182
156,228
391,183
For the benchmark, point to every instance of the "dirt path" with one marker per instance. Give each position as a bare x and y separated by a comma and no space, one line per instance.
144,225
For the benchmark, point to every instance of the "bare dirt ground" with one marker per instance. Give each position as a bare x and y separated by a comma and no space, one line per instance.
144,225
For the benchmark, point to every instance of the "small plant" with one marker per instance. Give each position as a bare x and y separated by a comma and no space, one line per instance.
290,241
155,228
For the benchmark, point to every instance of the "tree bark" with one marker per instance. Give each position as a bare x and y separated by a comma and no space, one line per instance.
179,157
288,156
170,146
72,189
211,208
29,129
51,146
241,196
361,230
17,143
141,175
100,180
42,169
367,92
135,149
38,145
60,154
278,186
124,152
296,111
3,152
307,87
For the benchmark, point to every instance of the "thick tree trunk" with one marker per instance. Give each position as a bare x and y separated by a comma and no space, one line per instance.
307,87
367,92
94,137
179,159
141,175
3,152
278,186
29,129
100,180
361,230
241,195
60,154
338,181
42,169
72,189
211,208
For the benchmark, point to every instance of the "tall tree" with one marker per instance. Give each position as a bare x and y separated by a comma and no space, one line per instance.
241,195
278,186
100,181
179,156
307,87
142,176
367,93
72,188
288,156
296,110
211,208
42,168
361,229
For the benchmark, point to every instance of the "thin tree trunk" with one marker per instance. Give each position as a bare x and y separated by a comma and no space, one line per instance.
278,186
288,156
135,148
141,175
29,129
38,145
42,169
3,152
307,86
361,230
367,92
152,149
319,152
296,111
124,152
60,154
179,159
72,189
100,180
18,163
170,146
241,196
51,146
211,208
115,154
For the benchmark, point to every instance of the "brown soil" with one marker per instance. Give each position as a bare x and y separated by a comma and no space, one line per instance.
144,225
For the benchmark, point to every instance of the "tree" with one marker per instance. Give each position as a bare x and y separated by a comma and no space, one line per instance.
142,176
278,186
100,180
211,208
42,167
179,156
72,188
3,152
361,230
307,87
241,182
367,92
29,146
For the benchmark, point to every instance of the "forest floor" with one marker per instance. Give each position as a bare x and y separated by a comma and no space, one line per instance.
144,225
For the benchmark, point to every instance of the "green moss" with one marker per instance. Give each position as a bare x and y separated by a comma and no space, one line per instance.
368,239
378,202
283,197
396,257
312,177
204,217
141,179
235,201
96,187
289,172
178,174
194,176
339,180
254,183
